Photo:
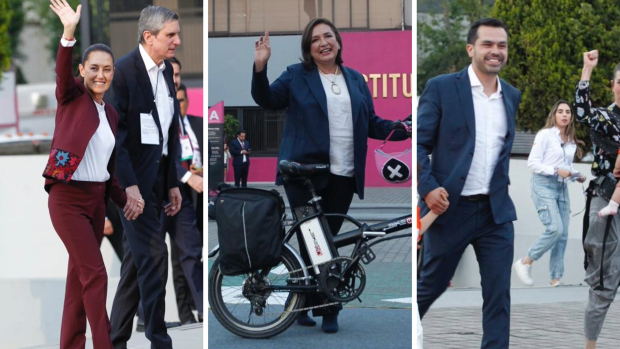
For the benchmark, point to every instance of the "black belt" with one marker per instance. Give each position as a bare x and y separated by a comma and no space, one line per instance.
477,197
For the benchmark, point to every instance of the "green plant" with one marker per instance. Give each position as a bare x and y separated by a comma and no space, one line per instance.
546,45
231,126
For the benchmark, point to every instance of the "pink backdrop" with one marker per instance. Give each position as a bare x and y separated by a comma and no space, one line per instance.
386,56
196,100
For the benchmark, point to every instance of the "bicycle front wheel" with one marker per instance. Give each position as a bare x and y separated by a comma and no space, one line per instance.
249,313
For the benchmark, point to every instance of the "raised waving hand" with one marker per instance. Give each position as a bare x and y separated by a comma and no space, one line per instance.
68,17
262,52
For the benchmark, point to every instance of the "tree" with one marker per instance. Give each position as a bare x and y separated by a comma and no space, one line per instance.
5,43
442,38
15,27
546,45
231,127
52,27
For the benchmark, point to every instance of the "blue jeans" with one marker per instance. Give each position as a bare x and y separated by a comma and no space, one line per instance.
553,205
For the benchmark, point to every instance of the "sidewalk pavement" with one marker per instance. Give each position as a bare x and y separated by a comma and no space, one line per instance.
541,318
186,337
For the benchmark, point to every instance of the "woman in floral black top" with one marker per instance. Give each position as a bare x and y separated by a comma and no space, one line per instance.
601,121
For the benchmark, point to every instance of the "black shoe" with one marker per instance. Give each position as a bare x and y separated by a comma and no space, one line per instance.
200,317
140,325
330,323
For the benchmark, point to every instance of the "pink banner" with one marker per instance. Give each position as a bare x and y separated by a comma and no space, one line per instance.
216,113
196,101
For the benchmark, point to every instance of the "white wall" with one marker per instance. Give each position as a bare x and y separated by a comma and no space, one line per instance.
528,228
33,260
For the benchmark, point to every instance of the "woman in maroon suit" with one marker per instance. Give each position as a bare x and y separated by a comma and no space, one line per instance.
80,179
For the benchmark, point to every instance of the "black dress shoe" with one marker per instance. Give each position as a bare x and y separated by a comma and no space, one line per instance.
199,317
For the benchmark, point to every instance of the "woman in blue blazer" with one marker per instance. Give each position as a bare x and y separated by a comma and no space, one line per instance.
330,116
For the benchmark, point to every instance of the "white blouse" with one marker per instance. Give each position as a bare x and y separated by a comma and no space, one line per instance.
340,115
548,152
94,165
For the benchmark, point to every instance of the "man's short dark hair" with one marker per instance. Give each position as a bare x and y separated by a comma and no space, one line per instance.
240,132
184,89
472,35
175,61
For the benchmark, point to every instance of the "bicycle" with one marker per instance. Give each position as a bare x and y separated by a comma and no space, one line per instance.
265,303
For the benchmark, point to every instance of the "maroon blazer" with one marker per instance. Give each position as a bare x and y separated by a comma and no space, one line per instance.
77,120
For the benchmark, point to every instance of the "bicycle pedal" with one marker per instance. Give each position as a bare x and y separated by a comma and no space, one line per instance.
368,256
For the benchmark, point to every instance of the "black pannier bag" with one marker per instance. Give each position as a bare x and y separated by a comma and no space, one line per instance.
249,229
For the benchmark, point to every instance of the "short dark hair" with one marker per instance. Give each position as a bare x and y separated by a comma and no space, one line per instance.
184,89
96,48
306,42
472,35
174,60
240,132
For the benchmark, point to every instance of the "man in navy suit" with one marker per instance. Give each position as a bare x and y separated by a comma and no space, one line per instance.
147,140
240,151
466,123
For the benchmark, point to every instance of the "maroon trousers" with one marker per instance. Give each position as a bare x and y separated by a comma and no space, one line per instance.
77,210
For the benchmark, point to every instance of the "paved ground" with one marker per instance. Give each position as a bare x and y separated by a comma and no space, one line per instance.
184,337
540,318
382,320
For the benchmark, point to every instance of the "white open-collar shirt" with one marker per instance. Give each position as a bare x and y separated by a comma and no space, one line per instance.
491,132
163,97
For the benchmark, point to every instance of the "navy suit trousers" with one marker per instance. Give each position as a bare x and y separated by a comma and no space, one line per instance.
471,224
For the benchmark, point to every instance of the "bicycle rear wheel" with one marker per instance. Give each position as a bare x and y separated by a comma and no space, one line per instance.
250,314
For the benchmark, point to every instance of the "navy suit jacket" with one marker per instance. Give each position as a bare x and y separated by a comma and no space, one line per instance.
235,151
447,131
306,132
137,163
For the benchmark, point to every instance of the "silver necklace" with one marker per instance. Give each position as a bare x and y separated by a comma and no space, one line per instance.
335,88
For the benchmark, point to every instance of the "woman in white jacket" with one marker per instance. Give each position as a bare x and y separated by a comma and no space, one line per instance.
551,162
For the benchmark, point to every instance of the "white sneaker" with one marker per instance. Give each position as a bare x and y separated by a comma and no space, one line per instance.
524,272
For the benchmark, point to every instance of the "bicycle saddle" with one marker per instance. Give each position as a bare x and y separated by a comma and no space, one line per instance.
295,169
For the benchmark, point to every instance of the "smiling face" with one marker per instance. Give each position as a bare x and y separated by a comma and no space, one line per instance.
489,53
97,71
324,47
563,116
163,45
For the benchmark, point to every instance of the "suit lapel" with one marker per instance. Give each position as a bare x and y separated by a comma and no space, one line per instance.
142,77
463,87
352,86
510,109
314,83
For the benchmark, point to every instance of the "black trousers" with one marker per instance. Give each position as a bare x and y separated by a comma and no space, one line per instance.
144,273
336,198
241,174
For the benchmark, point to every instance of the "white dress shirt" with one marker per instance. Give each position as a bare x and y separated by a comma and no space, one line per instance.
549,152
94,164
163,97
491,131
340,115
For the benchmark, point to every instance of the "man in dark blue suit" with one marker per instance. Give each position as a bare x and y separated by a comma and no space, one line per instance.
240,151
147,139
466,123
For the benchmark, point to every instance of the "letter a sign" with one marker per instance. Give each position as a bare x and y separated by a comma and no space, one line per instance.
216,113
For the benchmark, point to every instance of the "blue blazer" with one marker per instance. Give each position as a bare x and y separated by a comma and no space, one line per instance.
132,94
446,130
235,151
306,132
